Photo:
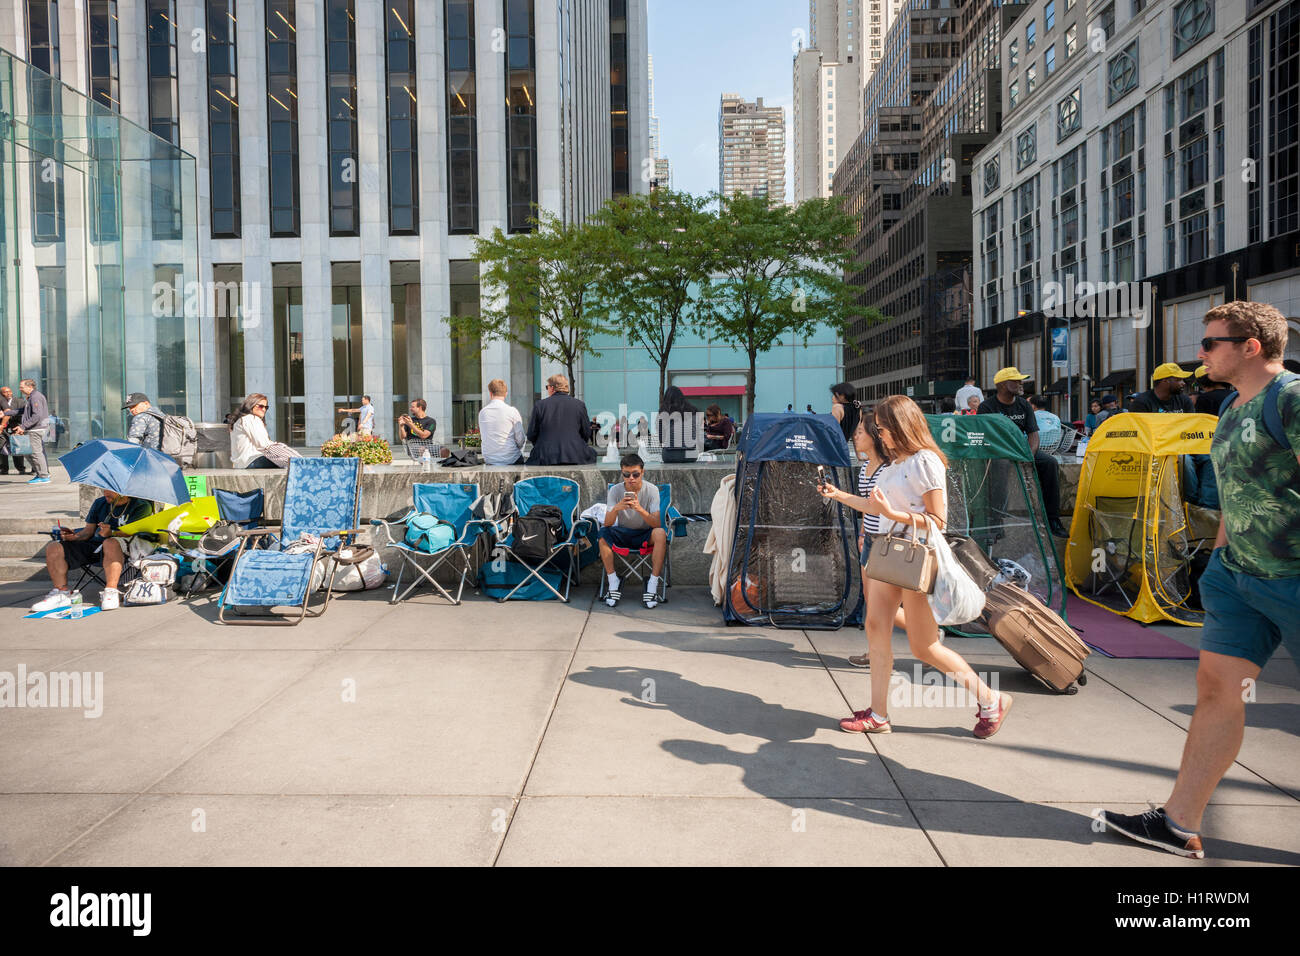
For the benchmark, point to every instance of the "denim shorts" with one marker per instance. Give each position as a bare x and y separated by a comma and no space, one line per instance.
866,548
1246,616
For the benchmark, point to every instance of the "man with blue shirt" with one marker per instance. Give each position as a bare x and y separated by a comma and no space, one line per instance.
366,423
1049,425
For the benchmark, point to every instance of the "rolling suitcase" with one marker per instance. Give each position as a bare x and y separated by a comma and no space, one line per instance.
1037,638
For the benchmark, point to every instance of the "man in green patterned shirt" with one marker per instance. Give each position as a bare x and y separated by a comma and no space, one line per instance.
1251,587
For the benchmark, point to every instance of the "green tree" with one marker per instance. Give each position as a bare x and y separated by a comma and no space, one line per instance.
539,290
779,270
658,259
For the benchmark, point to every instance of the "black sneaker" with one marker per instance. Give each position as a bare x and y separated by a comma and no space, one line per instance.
1152,828
1058,530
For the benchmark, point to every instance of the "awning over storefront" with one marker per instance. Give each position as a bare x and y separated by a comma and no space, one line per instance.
702,390
1114,379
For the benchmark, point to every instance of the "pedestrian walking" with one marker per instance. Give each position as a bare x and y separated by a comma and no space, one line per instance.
37,425
1251,588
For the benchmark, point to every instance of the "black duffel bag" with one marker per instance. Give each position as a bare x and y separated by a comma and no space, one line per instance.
538,532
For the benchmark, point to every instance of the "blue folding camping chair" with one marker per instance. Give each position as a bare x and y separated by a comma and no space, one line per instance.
322,498
211,560
639,564
564,555
453,505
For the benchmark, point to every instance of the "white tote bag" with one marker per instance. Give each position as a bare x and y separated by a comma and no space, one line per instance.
956,598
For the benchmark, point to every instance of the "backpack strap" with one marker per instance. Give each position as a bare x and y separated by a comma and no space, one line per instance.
1272,416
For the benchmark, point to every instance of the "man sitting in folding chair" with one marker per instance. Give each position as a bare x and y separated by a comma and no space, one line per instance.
83,550
633,526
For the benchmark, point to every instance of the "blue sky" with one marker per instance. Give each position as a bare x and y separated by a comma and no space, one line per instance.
703,48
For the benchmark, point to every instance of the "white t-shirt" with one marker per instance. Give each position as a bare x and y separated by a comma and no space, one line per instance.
905,483
248,439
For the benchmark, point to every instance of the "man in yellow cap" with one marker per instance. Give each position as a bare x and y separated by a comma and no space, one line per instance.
1166,392
1010,401
1212,394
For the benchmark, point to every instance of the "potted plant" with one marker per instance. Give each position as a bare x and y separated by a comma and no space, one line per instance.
371,449
473,438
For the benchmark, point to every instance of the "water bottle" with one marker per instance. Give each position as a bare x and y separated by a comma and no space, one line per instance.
425,461
76,608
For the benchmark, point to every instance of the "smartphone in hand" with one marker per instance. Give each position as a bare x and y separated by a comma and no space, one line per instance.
821,476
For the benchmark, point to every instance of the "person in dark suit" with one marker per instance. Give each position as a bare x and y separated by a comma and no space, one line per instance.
560,428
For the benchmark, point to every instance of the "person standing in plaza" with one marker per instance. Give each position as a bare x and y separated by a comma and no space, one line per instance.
146,422
10,415
1251,588
1166,393
35,424
968,392
911,490
366,413
1009,401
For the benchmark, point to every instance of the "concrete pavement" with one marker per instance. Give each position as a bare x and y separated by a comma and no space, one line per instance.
540,733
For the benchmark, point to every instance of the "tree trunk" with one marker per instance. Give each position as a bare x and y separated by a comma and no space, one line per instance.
753,380
663,381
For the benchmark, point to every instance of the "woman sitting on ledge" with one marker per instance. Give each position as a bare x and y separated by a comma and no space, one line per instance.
248,438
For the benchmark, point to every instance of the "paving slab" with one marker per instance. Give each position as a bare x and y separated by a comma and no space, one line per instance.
354,830
35,826
638,722
421,722
478,624
714,831
1271,745
159,708
1056,835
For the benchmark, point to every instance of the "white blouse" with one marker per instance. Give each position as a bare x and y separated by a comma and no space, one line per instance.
248,440
905,483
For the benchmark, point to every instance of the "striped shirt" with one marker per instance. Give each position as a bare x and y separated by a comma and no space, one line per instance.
870,523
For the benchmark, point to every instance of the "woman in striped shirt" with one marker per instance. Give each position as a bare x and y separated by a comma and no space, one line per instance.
867,443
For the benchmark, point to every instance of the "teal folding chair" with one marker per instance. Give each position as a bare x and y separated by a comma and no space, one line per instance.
452,504
564,555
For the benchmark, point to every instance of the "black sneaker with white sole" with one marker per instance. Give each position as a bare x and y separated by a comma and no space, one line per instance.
1152,828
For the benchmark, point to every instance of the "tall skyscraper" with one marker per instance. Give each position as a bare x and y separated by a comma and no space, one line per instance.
662,169
751,148
845,42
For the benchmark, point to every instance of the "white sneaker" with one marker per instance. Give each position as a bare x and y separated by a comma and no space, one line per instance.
55,599
110,600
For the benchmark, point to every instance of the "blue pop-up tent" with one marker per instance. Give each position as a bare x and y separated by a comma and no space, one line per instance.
794,558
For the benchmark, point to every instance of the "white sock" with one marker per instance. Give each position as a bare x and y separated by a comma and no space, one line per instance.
988,710
613,581
653,586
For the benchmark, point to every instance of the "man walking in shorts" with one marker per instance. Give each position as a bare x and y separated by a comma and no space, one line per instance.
1251,587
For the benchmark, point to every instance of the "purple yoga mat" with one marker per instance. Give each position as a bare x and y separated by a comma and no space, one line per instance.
1117,636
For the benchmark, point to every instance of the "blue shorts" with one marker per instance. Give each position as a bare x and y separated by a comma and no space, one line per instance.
617,537
1246,616
866,549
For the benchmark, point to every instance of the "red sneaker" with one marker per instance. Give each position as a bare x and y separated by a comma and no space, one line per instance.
865,722
986,727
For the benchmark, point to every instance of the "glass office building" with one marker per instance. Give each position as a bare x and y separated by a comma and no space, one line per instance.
98,257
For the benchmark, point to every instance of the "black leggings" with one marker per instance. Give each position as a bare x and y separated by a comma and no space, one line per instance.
261,461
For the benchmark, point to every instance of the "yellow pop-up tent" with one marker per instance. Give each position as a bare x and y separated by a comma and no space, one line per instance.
1130,548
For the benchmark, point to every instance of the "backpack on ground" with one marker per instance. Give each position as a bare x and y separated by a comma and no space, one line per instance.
428,533
1272,416
157,574
538,532
180,439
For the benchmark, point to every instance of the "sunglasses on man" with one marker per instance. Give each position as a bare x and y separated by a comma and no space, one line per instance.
1208,343
632,474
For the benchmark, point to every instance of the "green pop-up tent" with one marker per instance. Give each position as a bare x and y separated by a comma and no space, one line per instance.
994,498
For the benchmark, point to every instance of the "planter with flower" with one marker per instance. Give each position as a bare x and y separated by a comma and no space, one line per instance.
371,449
473,438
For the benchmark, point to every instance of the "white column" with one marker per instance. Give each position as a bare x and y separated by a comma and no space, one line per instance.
431,335
376,281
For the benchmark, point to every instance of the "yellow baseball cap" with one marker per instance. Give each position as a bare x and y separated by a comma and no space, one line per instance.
1202,372
1009,375
1169,370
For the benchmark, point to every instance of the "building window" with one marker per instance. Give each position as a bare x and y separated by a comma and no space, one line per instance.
1013,54
1031,35
1013,94
1122,73
282,117
164,117
992,176
223,118
403,157
618,98
101,41
46,95
1283,133
1049,60
341,102
1031,78
346,333
521,114
462,119
1071,40
1049,15
1193,21
1026,148
1068,118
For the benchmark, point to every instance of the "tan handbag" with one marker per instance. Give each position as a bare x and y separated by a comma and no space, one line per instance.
903,561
